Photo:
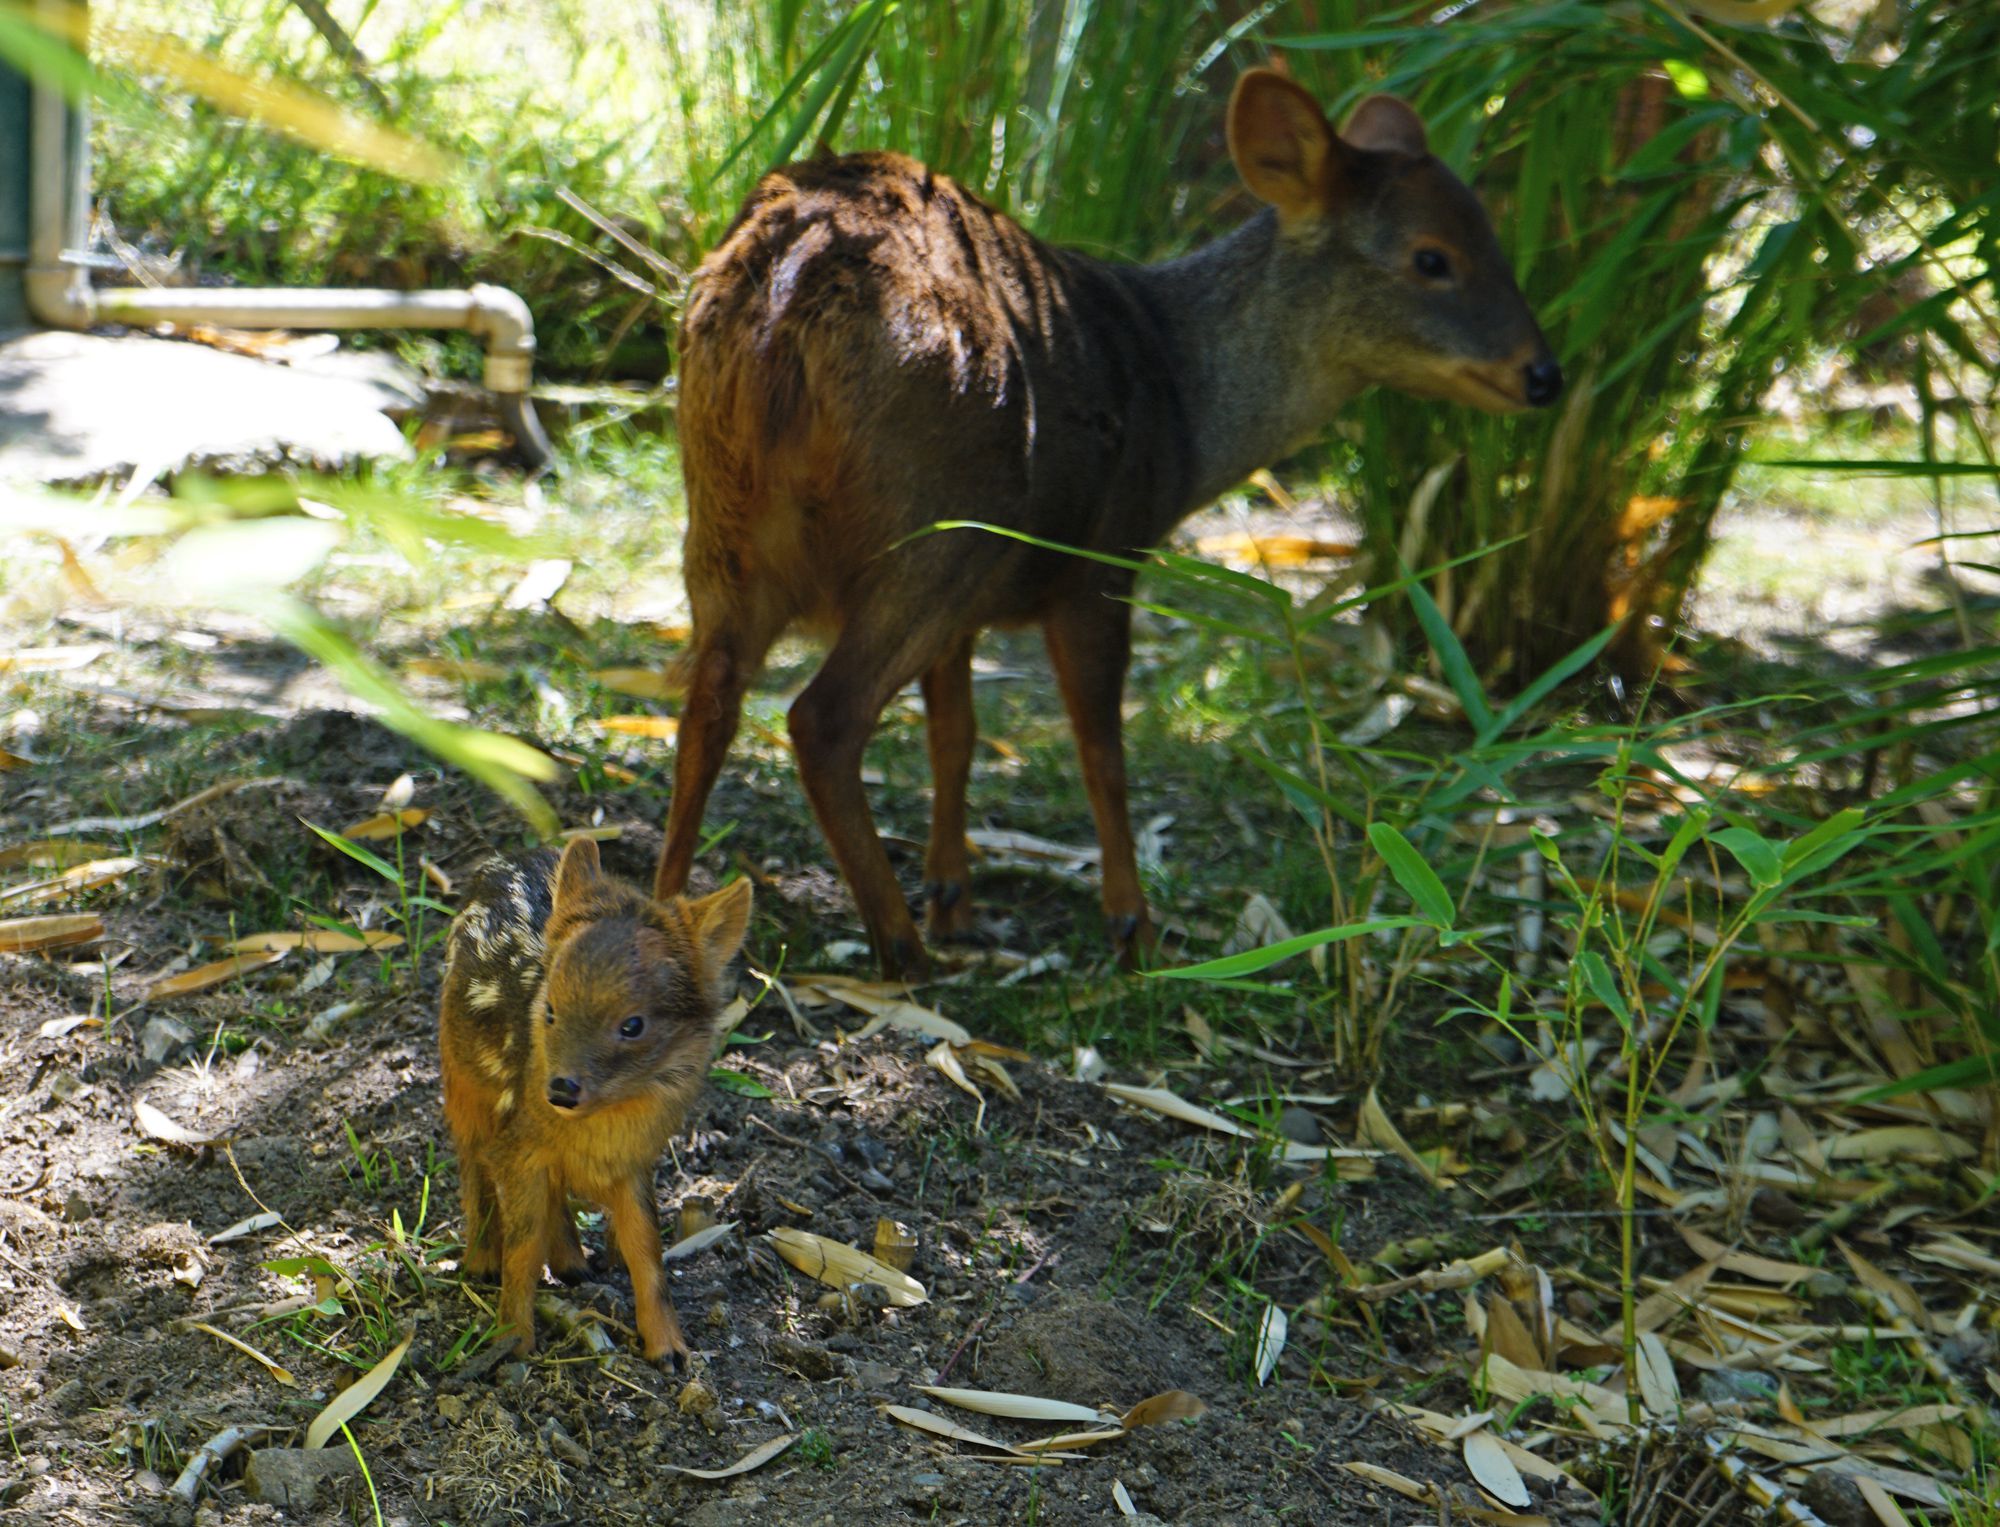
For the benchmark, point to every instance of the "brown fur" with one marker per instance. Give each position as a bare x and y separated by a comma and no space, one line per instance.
547,960
873,349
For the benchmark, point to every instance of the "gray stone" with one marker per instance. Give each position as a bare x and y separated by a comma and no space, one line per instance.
80,407
1723,1386
163,1037
734,1511
292,1477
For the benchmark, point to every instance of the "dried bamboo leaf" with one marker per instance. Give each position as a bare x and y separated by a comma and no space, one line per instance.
317,940
155,1125
1742,1263
54,854
1016,1407
942,1058
1659,1390
1375,1126
1168,1405
700,1241
839,1265
215,973
386,824
1488,1463
657,728
756,1458
271,1366
939,1426
1122,1499
91,875
26,935
640,683
1270,1341
1389,1479
1174,1106
236,1232
1069,1441
352,1400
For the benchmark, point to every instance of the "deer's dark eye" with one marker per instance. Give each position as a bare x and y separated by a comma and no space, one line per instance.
1432,265
632,1027
551,1018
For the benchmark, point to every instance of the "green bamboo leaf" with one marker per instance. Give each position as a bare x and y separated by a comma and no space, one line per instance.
1603,985
1451,657
1760,860
1418,880
1250,961
359,854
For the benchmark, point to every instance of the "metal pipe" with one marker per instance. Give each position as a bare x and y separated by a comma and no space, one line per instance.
59,293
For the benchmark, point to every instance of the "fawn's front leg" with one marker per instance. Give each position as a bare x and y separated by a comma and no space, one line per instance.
635,1230
524,1229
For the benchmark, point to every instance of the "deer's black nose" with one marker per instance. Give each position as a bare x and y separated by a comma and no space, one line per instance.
564,1092
1545,382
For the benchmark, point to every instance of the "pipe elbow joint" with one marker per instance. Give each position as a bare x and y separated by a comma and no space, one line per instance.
502,320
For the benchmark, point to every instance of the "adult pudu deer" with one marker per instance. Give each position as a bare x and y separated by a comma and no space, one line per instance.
873,349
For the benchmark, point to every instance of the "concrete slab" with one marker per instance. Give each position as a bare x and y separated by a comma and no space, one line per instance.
82,407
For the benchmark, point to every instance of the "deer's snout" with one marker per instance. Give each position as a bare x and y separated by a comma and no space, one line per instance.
565,1092
1543,381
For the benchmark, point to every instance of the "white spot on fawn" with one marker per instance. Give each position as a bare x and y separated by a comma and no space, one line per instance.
493,1065
504,1104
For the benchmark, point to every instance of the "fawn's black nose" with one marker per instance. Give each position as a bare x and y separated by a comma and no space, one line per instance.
1545,382
564,1092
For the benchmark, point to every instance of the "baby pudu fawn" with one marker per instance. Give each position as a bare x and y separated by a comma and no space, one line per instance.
873,349
577,1027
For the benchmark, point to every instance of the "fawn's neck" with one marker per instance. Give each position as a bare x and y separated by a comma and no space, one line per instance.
1254,377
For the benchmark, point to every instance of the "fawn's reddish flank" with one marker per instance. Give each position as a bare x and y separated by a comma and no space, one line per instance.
873,349
577,1027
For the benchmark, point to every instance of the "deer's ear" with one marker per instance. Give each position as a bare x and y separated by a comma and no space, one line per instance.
1281,143
577,872
1383,123
718,923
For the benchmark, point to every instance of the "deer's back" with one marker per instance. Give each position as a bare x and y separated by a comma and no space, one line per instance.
872,347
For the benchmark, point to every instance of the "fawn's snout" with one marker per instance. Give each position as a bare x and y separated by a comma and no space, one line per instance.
565,1092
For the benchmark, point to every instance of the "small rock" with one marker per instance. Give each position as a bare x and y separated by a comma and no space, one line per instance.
870,1177
452,1408
65,1085
292,1477
514,1374
563,1445
873,1151
1724,1386
1300,1124
732,1511
1775,1208
163,1037
1836,1499
874,1376
696,1398
76,1208
9,1358
803,1358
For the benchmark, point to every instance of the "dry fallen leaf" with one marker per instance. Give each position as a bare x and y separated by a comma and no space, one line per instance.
1402,1484
641,683
265,1221
1168,1405
1016,1407
939,1426
25,935
318,940
659,728
155,1125
352,1400
282,1375
386,824
1376,1126
756,1458
54,854
700,1241
1270,1341
839,1265
215,973
1495,1471
1174,1106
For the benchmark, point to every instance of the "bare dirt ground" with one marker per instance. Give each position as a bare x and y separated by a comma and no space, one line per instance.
1070,1247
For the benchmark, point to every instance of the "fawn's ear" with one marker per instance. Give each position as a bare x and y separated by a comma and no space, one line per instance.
1384,123
718,923
1280,141
577,871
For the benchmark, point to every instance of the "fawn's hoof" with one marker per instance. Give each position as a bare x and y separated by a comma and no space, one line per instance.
904,958
948,910
1132,938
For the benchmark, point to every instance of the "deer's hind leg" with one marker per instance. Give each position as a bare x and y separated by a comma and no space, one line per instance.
952,730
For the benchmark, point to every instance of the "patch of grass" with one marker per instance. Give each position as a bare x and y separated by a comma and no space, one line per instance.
815,1447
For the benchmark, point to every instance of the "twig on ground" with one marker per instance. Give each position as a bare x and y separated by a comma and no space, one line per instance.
212,1452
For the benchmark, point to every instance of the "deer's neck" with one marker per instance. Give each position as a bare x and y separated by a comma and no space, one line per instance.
1251,365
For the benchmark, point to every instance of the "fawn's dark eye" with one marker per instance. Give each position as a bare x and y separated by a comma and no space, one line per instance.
632,1027
1431,264
551,1019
